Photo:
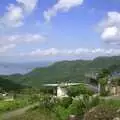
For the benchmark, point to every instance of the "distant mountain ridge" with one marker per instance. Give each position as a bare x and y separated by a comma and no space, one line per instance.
66,70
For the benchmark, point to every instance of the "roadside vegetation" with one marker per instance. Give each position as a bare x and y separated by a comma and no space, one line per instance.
6,106
16,100
95,109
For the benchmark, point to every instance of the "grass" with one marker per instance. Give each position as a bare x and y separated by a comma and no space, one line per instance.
6,106
36,114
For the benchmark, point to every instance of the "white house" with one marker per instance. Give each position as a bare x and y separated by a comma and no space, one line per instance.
61,90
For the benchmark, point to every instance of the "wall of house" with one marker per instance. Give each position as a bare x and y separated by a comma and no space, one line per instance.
61,92
115,90
118,90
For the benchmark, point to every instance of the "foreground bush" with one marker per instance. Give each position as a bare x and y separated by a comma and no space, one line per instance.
74,91
106,110
102,113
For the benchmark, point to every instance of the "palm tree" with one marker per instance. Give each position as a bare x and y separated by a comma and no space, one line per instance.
103,78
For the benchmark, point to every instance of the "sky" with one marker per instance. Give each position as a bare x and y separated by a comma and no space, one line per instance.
35,30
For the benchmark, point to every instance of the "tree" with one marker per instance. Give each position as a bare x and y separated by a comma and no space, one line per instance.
77,107
78,90
65,102
104,73
61,112
103,84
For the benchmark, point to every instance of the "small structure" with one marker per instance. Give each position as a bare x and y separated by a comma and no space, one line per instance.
92,78
3,94
114,89
61,89
6,97
61,92
112,86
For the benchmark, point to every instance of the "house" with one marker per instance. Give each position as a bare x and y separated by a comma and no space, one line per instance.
61,92
114,87
61,89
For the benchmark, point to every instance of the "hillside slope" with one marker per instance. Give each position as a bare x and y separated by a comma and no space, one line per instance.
66,70
8,85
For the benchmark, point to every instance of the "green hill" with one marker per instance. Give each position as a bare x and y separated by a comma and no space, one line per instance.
66,70
8,85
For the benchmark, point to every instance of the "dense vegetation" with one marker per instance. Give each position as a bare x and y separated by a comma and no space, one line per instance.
14,100
6,106
106,110
81,101
66,70
7,85
95,109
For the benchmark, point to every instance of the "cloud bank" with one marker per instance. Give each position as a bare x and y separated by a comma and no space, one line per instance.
38,53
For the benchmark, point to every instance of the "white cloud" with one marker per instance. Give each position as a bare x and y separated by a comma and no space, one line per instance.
28,5
111,34
110,28
48,52
17,38
61,6
15,13
13,17
6,48
82,52
12,41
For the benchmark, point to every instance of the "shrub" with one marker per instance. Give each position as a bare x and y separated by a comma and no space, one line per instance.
62,113
77,107
65,102
106,110
102,112
78,90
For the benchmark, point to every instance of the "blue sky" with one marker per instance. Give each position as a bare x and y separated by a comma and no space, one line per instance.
58,29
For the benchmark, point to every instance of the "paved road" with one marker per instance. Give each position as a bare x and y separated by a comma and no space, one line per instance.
8,115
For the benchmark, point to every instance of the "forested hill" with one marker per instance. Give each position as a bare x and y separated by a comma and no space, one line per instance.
7,85
66,70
